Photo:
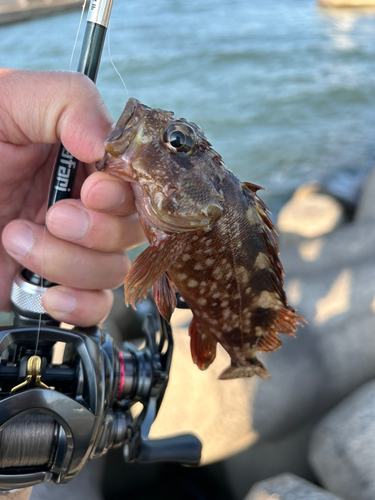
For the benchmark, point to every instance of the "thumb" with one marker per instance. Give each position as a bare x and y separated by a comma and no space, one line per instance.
45,106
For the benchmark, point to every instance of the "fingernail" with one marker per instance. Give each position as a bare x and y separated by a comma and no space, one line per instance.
19,239
68,222
60,300
106,195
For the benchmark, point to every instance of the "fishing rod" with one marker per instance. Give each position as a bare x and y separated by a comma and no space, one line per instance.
28,287
55,417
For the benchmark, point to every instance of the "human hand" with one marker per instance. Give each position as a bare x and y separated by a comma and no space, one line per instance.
83,246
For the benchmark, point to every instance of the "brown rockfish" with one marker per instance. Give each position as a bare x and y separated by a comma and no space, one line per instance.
210,238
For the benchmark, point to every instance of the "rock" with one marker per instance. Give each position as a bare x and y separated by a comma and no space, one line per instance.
366,205
342,451
288,487
308,214
87,484
345,186
347,246
334,354
267,458
22,494
312,373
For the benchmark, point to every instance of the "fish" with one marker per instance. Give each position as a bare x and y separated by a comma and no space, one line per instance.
211,239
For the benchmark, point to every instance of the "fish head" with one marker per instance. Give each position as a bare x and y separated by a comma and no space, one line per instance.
174,172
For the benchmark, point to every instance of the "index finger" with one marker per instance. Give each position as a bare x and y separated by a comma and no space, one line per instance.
103,192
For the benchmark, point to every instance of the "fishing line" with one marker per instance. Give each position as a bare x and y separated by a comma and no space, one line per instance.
111,60
42,268
79,29
50,187
62,181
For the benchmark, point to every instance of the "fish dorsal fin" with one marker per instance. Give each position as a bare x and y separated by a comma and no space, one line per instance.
268,228
253,187
286,318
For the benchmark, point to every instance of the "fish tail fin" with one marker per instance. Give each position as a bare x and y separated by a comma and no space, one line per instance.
254,367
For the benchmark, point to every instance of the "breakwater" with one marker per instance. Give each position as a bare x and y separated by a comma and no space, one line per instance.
22,10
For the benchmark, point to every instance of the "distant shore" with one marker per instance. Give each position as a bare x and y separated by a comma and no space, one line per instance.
14,11
347,3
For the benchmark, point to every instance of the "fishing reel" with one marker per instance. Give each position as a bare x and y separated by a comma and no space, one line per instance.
57,414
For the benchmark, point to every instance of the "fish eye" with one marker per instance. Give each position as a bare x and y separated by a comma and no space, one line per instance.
180,137
177,139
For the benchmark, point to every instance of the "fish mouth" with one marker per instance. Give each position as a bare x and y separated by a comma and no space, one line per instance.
127,124
123,122
119,155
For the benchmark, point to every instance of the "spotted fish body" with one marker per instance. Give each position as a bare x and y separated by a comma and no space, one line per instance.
210,238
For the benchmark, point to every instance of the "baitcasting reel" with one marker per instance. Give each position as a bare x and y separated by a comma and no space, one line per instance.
55,415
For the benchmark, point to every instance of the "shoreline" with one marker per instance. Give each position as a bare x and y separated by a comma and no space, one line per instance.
23,10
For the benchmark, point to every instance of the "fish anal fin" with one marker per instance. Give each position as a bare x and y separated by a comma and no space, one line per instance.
151,264
165,297
203,346
253,367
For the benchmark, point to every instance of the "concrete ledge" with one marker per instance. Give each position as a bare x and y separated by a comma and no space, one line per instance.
16,12
288,487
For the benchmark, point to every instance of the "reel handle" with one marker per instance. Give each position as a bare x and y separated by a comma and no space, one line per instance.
185,449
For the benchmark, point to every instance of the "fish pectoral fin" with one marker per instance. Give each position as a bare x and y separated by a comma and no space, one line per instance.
165,296
151,264
252,367
203,346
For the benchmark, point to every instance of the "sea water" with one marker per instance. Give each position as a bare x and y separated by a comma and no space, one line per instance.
284,90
